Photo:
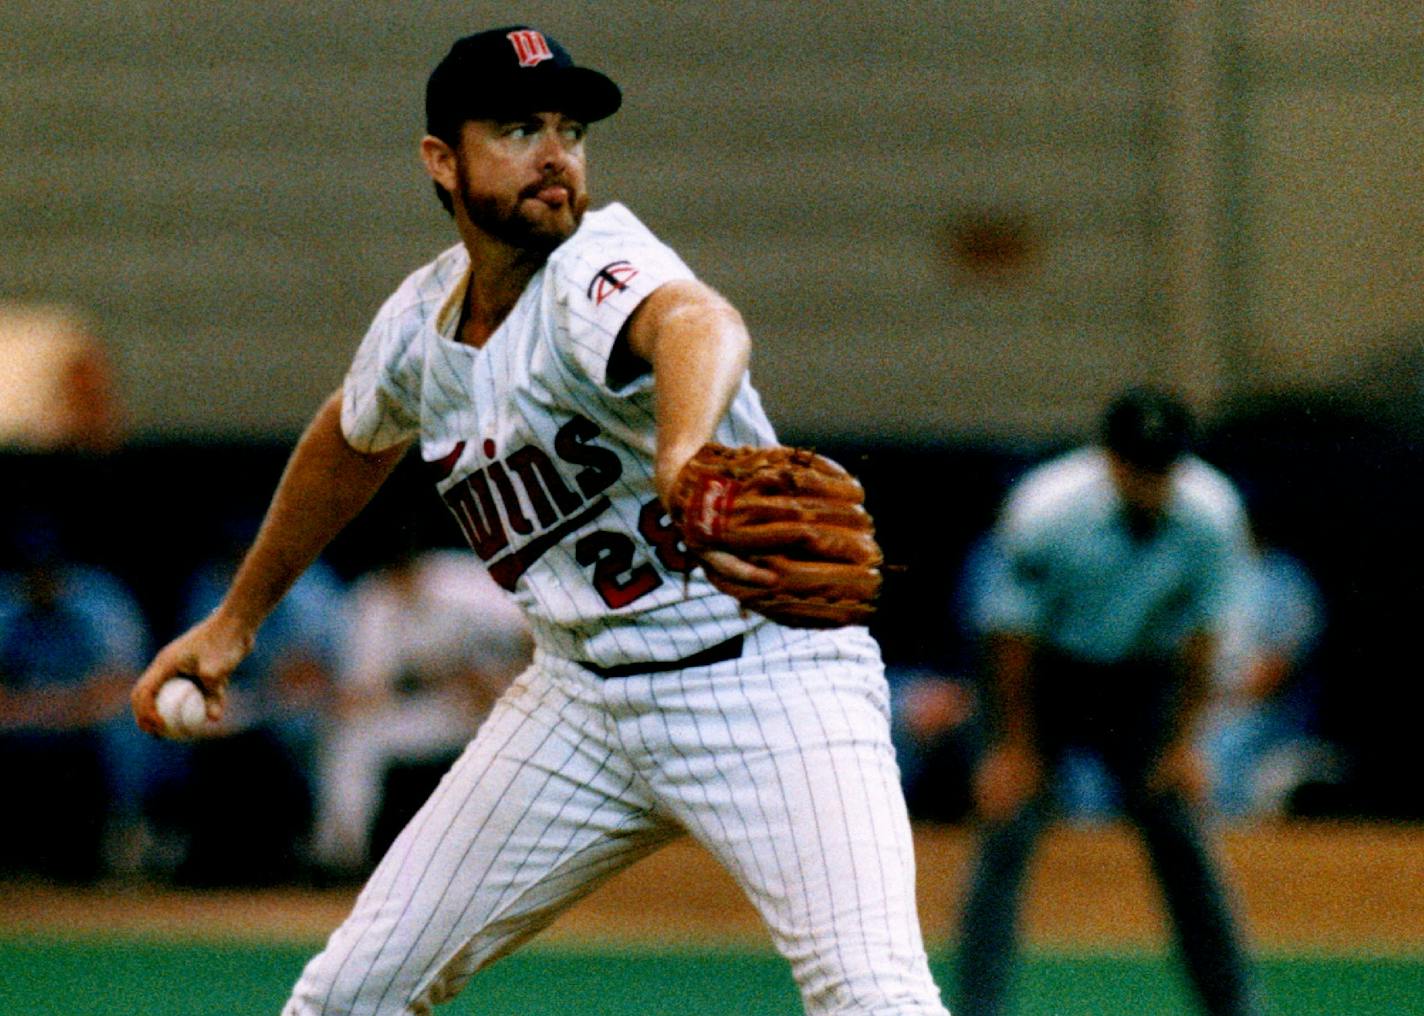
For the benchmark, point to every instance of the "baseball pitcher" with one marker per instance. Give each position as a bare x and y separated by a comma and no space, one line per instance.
697,594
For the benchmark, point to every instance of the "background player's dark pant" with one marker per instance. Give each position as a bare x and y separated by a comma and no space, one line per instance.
1122,713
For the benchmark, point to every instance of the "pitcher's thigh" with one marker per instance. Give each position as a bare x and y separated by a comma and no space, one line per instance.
847,913
525,823
804,807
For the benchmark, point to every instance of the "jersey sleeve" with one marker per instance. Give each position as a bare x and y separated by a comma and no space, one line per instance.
380,396
598,285
1012,582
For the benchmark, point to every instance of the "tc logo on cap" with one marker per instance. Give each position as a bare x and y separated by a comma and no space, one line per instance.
530,46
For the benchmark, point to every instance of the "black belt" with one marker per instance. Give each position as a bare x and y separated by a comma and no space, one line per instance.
720,653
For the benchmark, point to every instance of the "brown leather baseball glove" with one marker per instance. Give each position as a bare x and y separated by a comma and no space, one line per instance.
791,512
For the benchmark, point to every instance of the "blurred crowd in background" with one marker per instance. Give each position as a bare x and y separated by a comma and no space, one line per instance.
355,699
382,661
362,690
384,658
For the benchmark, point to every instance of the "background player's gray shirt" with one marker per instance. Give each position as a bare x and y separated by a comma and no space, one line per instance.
1067,570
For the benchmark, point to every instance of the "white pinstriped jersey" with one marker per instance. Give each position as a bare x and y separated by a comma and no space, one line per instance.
547,467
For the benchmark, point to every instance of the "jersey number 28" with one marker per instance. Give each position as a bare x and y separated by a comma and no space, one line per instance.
618,580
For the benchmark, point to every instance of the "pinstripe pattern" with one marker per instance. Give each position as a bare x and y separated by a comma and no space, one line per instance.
542,368
778,761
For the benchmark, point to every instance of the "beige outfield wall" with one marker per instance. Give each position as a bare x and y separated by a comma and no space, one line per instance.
939,219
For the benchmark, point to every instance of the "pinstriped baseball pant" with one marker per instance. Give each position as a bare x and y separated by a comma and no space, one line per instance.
778,762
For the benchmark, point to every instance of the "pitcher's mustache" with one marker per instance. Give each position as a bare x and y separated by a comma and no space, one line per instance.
552,180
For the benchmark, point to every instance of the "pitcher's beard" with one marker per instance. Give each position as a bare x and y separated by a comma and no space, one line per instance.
511,226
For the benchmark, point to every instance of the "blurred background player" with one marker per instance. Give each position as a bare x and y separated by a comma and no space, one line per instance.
241,801
1101,625
72,638
430,642
1260,734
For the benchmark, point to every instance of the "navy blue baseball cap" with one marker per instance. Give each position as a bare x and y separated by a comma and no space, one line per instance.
1149,428
505,72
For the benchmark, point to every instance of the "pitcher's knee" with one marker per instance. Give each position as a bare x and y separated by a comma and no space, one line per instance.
329,987
333,986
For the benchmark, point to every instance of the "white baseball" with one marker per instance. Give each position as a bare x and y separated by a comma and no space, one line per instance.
182,707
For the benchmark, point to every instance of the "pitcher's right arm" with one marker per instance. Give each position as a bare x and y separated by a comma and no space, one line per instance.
325,484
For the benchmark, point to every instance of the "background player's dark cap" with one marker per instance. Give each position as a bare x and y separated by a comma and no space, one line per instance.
513,71
1148,428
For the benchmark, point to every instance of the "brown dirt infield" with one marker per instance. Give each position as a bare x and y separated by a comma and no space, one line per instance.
1300,887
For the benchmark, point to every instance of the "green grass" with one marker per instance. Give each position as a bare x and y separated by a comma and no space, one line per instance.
118,978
